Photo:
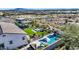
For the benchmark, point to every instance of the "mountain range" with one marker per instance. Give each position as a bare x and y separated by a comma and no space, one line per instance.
24,9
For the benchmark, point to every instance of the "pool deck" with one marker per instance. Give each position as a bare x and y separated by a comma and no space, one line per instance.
50,46
53,45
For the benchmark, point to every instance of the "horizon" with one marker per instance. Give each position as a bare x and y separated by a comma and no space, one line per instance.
35,8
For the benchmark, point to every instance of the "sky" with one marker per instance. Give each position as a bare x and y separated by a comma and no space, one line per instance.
6,8
39,3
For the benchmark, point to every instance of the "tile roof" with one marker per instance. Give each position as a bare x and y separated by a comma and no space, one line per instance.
10,28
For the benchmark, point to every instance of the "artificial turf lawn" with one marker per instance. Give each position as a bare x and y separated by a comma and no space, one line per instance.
30,32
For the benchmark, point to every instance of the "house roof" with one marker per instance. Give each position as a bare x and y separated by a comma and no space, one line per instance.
6,19
10,28
20,18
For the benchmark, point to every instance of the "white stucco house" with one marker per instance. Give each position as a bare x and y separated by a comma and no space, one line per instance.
12,36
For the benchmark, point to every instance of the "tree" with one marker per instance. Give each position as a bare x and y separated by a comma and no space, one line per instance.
71,37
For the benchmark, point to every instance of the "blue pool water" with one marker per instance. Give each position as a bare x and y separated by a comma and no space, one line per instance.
52,39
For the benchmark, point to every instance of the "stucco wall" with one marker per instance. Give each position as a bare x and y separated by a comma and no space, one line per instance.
51,47
16,38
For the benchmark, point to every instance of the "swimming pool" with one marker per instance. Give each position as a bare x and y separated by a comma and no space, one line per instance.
52,39
49,39
47,42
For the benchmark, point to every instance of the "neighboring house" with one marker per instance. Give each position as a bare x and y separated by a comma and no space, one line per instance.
11,36
23,20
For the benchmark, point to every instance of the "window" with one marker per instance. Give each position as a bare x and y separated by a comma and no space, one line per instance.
4,35
23,38
10,42
1,46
